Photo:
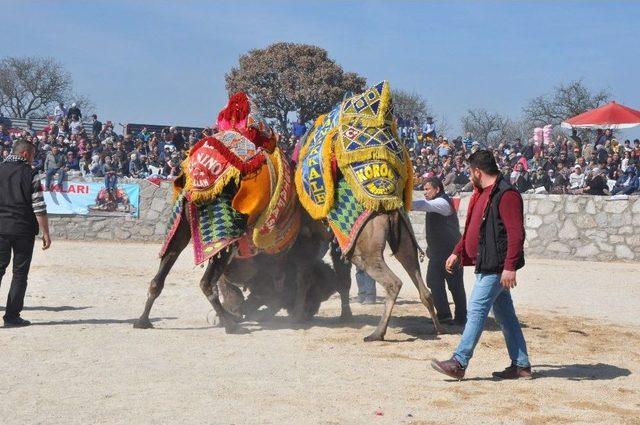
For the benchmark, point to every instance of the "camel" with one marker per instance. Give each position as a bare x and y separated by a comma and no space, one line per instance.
331,142
225,273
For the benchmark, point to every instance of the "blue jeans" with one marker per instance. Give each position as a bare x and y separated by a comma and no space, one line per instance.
366,285
52,172
111,181
488,292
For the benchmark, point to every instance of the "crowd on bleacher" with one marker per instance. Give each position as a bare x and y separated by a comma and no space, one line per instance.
559,164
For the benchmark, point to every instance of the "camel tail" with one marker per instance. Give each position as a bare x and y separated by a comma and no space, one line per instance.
400,227
395,231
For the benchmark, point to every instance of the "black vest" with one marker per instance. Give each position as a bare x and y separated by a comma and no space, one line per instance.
16,210
442,232
492,246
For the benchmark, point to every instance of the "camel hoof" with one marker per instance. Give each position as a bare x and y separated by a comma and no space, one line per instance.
346,317
374,337
142,324
235,330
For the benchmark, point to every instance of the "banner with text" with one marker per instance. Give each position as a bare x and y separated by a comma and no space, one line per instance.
93,199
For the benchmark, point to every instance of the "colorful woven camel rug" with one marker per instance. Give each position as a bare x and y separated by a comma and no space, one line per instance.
347,217
359,135
214,226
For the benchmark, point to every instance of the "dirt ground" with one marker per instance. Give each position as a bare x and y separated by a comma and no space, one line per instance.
83,363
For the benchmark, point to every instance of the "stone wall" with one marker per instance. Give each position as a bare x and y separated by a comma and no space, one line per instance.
558,226
150,226
573,227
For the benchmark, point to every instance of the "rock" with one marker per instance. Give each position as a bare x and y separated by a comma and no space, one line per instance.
634,240
568,230
533,205
146,231
158,204
152,215
532,234
601,219
160,229
605,247
585,221
614,239
624,253
121,234
636,206
571,207
545,207
590,207
104,235
615,207
590,250
626,230
548,232
533,221
98,225
558,247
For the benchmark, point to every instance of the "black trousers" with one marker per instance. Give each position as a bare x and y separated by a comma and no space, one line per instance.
22,247
436,276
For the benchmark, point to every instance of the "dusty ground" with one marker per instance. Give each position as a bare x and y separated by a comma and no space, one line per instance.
82,362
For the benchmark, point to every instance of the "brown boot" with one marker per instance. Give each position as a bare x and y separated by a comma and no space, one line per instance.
449,367
514,372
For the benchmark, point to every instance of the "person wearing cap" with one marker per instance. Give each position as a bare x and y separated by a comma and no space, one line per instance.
74,110
442,231
576,179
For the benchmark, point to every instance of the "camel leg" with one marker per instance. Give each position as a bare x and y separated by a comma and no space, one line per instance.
368,256
302,289
209,287
342,270
407,256
176,246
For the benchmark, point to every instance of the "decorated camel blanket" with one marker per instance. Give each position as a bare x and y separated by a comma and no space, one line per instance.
358,138
232,190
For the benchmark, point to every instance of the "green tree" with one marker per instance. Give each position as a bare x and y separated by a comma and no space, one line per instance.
287,78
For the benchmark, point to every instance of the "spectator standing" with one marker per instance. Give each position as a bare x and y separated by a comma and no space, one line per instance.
59,112
22,214
96,126
493,241
74,110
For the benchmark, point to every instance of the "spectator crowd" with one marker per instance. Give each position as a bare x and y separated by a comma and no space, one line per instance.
597,165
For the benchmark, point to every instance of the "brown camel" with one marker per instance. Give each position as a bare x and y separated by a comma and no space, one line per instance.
225,272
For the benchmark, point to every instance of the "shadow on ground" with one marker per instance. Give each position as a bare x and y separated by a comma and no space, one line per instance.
96,321
573,372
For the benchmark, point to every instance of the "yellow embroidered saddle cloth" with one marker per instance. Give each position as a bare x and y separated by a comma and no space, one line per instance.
359,135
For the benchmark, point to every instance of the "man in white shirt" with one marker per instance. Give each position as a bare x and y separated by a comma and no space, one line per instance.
576,179
442,233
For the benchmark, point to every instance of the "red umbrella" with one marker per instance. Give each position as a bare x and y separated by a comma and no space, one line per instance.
612,115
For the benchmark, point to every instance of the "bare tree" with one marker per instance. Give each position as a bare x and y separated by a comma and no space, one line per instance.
410,105
565,101
488,128
30,86
289,78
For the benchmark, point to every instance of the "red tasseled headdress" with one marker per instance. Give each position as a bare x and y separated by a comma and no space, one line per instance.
234,116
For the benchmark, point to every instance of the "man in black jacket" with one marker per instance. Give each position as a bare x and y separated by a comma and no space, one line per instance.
493,241
22,214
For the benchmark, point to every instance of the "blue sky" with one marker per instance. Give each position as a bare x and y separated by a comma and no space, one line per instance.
164,62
